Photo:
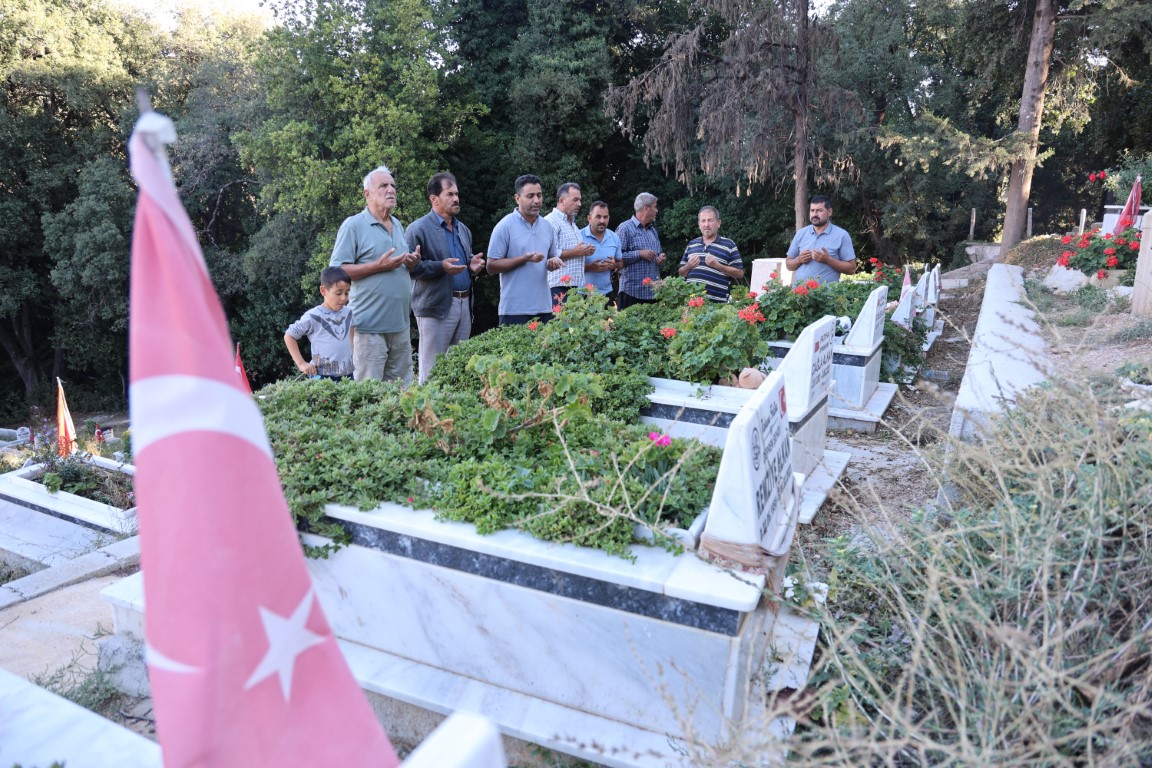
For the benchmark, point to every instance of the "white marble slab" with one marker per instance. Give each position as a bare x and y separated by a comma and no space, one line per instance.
569,652
15,486
818,485
650,570
126,597
867,418
462,741
38,728
31,537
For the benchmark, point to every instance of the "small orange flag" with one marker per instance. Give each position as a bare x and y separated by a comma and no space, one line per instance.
65,429
240,370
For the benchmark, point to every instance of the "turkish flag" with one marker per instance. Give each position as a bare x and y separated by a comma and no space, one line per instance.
244,668
1131,212
240,370
65,429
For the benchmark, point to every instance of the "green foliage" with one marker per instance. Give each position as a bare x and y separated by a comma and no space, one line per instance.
1096,252
524,450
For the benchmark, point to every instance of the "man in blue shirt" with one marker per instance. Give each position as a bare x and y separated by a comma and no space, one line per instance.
641,252
605,257
821,251
523,250
442,281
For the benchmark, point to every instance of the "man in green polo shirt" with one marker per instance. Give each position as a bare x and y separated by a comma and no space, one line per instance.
371,248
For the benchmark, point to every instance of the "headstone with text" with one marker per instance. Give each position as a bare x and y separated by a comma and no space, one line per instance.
868,331
753,514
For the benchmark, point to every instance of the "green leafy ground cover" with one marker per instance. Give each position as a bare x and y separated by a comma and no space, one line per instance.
536,427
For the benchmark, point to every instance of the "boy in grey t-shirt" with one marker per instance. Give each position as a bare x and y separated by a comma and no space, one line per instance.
328,328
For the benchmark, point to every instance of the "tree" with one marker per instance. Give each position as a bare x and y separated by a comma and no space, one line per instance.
1031,116
734,96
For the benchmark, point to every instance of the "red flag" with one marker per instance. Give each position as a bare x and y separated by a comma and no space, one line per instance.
1131,211
243,665
240,370
906,288
65,429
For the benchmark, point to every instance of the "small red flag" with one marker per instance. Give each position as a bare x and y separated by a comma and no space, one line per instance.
1131,211
65,429
240,370
244,668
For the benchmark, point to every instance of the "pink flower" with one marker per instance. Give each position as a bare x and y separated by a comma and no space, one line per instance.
659,439
1101,175
773,275
667,332
752,294
696,301
590,288
1091,177
410,499
566,279
646,281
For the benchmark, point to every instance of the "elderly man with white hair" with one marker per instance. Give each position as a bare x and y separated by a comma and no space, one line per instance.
371,248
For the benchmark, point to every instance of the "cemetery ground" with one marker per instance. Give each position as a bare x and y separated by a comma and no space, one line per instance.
992,614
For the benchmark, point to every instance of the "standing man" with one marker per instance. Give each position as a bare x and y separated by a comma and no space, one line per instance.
572,249
605,256
522,250
442,281
641,253
821,251
371,248
711,260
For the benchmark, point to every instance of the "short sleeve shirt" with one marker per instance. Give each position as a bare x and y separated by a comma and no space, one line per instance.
567,236
523,290
718,284
834,239
608,248
381,303
328,334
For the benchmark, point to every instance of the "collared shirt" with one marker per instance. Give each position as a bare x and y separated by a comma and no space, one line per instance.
836,240
567,236
380,302
523,290
461,281
635,237
718,284
608,248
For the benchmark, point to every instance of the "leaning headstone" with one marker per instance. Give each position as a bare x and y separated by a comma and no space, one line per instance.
752,518
904,310
868,330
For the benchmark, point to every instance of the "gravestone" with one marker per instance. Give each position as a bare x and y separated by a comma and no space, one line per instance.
762,270
753,515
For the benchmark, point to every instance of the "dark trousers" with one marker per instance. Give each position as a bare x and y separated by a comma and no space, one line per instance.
523,319
559,294
626,300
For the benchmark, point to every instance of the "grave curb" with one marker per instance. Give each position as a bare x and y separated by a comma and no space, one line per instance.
110,559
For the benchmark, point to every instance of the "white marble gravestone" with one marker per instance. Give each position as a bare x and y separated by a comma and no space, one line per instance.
762,270
753,515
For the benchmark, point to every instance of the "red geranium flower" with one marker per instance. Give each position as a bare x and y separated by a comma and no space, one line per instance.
696,301
1135,246
1063,260
1102,274
773,275
1066,239
1091,177
566,279
1112,262
1101,175
800,290
812,283
752,294
533,325
646,281
667,332
1109,251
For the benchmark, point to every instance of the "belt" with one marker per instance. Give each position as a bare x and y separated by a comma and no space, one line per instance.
461,294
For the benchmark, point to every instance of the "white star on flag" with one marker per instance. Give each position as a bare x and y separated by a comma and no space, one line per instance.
287,639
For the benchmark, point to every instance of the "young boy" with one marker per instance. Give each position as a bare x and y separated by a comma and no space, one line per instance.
328,328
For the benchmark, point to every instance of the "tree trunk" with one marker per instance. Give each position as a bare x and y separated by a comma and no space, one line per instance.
1031,116
17,342
803,78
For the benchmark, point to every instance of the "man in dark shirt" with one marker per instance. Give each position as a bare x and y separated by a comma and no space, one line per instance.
442,281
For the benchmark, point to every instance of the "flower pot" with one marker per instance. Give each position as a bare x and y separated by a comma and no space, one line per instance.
1114,278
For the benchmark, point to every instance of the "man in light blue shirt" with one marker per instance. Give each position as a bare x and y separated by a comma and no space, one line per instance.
821,251
372,249
523,250
605,259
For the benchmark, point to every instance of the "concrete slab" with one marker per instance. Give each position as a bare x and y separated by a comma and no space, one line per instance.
32,540
51,631
867,418
819,484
